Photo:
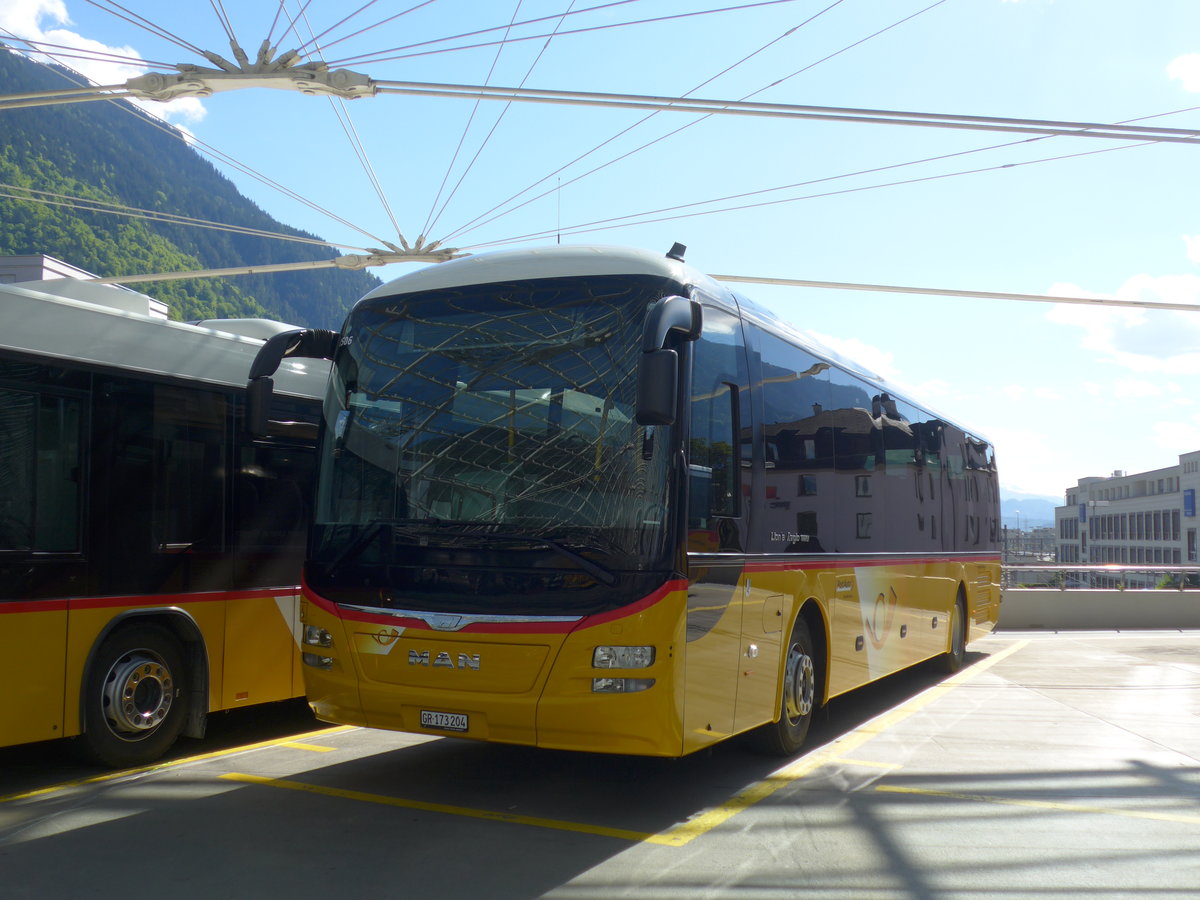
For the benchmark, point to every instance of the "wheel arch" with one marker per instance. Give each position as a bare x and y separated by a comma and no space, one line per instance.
812,613
183,628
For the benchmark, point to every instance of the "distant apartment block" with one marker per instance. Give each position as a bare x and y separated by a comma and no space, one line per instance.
1148,518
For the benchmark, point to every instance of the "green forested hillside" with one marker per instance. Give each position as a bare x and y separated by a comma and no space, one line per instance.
99,150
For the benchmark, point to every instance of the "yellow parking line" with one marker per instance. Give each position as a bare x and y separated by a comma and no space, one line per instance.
1045,804
381,799
848,743
154,767
315,748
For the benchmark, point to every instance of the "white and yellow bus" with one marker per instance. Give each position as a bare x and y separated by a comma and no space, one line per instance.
587,498
150,549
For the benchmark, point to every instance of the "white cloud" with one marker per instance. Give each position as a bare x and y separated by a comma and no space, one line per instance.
29,19
874,359
1136,388
1147,341
1022,456
1178,435
1186,69
1193,246
22,17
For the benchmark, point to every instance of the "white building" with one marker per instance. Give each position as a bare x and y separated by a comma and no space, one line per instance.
1148,518
53,276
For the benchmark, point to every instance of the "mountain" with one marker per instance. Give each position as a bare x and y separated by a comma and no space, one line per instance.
112,152
1027,511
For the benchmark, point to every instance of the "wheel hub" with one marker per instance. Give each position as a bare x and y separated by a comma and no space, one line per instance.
800,684
138,693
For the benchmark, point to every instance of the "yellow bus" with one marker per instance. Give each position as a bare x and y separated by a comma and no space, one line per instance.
587,498
150,550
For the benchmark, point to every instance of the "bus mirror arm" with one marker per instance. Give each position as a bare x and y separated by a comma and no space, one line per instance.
311,343
671,314
658,367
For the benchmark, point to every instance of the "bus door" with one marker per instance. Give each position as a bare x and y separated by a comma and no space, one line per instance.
272,497
41,560
717,528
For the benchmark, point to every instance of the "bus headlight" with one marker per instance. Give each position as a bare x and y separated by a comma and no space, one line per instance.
623,657
317,637
620,685
312,636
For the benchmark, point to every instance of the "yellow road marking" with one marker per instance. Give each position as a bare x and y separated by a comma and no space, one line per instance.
675,837
848,743
170,764
315,748
1045,804
381,799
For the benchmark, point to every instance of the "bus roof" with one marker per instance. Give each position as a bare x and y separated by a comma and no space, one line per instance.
543,262
109,335
585,259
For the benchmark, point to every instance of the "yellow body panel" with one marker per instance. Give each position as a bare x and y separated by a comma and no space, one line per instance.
246,643
32,666
260,659
718,667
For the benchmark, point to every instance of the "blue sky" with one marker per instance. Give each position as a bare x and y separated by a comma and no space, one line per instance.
1063,391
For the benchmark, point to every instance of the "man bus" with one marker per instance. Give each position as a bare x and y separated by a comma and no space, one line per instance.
587,498
150,550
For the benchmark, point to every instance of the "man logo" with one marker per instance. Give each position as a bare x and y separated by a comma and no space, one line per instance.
443,660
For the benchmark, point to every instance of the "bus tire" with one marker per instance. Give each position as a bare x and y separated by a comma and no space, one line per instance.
799,696
956,656
135,697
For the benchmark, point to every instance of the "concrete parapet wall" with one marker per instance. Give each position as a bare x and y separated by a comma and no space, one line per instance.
1055,610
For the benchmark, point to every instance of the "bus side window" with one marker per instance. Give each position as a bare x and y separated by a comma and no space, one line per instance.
39,472
719,388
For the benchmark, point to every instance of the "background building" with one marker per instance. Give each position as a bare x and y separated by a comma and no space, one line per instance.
53,276
1148,518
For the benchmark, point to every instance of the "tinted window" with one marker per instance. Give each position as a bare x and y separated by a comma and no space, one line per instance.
719,389
40,464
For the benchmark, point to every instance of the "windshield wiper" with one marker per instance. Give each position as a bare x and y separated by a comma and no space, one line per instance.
364,539
415,527
597,571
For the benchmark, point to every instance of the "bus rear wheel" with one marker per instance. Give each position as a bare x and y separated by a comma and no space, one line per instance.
135,697
799,701
956,656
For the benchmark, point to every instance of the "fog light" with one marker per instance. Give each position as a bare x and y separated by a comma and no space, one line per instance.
316,661
620,685
622,657
317,637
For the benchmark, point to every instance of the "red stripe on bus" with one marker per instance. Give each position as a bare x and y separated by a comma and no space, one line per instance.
60,604
788,565
29,606
516,627
637,607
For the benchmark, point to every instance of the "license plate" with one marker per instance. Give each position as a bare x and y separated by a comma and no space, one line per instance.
443,721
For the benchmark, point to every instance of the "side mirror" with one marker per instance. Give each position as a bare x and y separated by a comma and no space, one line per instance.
658,379
258,405
313,343
658,369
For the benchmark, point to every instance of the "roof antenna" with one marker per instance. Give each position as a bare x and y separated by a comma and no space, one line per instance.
676,252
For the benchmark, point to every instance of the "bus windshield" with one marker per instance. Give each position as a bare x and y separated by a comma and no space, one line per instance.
480,451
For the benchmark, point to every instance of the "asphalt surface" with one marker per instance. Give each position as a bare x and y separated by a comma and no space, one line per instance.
1054,765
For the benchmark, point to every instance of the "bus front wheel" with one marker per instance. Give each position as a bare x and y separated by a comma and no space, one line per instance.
799,700
135,697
